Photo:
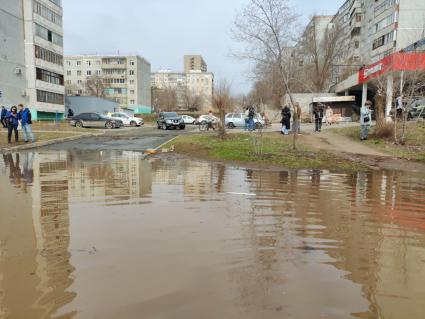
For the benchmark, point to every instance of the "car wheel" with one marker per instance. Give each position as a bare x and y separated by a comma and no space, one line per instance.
231,125
182,127
79,124
164,127
133,124
109,125
258,126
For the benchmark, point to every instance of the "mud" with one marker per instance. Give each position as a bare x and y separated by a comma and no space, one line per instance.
106,234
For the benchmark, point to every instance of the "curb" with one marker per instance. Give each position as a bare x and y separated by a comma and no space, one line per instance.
45,143
165,143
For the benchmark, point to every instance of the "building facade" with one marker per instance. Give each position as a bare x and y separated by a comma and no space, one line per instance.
194,63
31,59
124,79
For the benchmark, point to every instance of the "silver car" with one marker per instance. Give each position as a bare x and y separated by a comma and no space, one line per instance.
234,120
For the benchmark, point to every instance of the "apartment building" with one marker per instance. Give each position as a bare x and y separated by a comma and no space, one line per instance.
194,63
187,87
125,79
31,56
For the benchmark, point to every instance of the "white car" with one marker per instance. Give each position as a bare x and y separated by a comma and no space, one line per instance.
234,120
206,118
126,119
188,119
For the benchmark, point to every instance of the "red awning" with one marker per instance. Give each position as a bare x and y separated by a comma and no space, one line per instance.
395,62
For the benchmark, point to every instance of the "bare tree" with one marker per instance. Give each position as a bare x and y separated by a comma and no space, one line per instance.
222,102
268,29
192,99
95,86
165,98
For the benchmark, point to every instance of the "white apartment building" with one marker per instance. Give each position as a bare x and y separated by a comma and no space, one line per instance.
187,86
126,79
31,56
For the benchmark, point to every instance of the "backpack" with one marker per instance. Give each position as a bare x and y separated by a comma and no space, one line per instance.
251,112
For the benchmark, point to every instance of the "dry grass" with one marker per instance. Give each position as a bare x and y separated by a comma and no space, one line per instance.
45,136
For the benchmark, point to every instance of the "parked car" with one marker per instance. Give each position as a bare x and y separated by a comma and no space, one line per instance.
188,119
203,119
234,120
126,119
416,109
95,120
170,120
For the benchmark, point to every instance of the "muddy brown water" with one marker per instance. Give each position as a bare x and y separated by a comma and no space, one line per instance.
110,235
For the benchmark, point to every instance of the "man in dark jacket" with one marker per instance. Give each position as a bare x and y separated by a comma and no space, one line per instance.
12,118
3,117
26,121
318,117
286,120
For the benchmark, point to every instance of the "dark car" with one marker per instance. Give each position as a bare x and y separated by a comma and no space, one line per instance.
416,109
95,120
170,120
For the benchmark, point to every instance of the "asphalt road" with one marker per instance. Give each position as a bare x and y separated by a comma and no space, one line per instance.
129,139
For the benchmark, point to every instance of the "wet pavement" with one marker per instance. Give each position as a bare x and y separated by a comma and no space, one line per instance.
106,234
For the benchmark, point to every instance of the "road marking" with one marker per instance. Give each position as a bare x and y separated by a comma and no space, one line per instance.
241,194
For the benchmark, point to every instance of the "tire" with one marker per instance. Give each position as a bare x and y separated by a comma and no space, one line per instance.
158,126
164,126
258,126
79,124
182,127
231,126
133,124
109,125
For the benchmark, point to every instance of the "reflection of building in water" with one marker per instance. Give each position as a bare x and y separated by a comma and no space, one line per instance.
93,174
367,223
34,259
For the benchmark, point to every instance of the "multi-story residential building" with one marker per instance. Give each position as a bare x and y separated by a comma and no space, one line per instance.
124,79
194,63
31,59
195,87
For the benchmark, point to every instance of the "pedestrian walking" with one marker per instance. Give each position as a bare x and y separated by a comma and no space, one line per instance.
297,118
365,120
318,117
286,120
329,115
251,115
70,113
399,107
246,118
3,114
12,118
26,121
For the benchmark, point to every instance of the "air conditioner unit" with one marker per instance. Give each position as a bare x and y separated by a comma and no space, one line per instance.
18,71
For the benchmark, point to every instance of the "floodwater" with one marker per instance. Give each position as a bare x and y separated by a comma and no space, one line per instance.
92,234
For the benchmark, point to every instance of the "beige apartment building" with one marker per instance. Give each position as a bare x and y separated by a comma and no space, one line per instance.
31,56
194,63
126,79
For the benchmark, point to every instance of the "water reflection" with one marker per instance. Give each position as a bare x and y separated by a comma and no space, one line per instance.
308,244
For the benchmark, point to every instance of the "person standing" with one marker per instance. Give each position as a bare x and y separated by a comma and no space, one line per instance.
329,115
297,118
246,118
12,118
365,120
26,121
251,115
3,117
286,120
318,118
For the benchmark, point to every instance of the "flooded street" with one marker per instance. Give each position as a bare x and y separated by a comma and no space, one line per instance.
97,234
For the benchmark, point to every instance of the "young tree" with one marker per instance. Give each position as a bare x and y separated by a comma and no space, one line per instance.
192,100
165,98
222,102
268,30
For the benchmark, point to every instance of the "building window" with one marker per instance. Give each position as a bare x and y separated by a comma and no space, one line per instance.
132,82
48,56
383,40
131,72
132,92
80,82
68,82
88,73
68,73
98,72
80,92
131,101
356,44
358,17
132,63
50,77
48,35
97,62
46,13
78,63
79,73
49,97
68,63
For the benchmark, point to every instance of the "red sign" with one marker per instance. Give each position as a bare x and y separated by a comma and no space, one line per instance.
395,62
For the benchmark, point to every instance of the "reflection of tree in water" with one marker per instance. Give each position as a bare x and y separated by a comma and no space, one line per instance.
350,212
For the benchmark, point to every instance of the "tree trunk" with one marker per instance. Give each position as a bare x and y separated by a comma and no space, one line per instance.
380,111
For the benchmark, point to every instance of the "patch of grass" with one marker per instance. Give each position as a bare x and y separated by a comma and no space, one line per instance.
277,151
45,136
414,147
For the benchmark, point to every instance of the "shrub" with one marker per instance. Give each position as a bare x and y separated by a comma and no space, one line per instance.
384,131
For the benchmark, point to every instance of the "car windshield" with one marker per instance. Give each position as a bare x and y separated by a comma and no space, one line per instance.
103,117
170,114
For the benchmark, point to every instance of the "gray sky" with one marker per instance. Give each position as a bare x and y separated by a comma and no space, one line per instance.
162,31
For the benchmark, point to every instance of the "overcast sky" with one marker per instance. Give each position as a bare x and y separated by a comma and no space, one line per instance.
162,31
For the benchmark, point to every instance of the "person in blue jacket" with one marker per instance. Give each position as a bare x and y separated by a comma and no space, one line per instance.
25,117
3,117
12,118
